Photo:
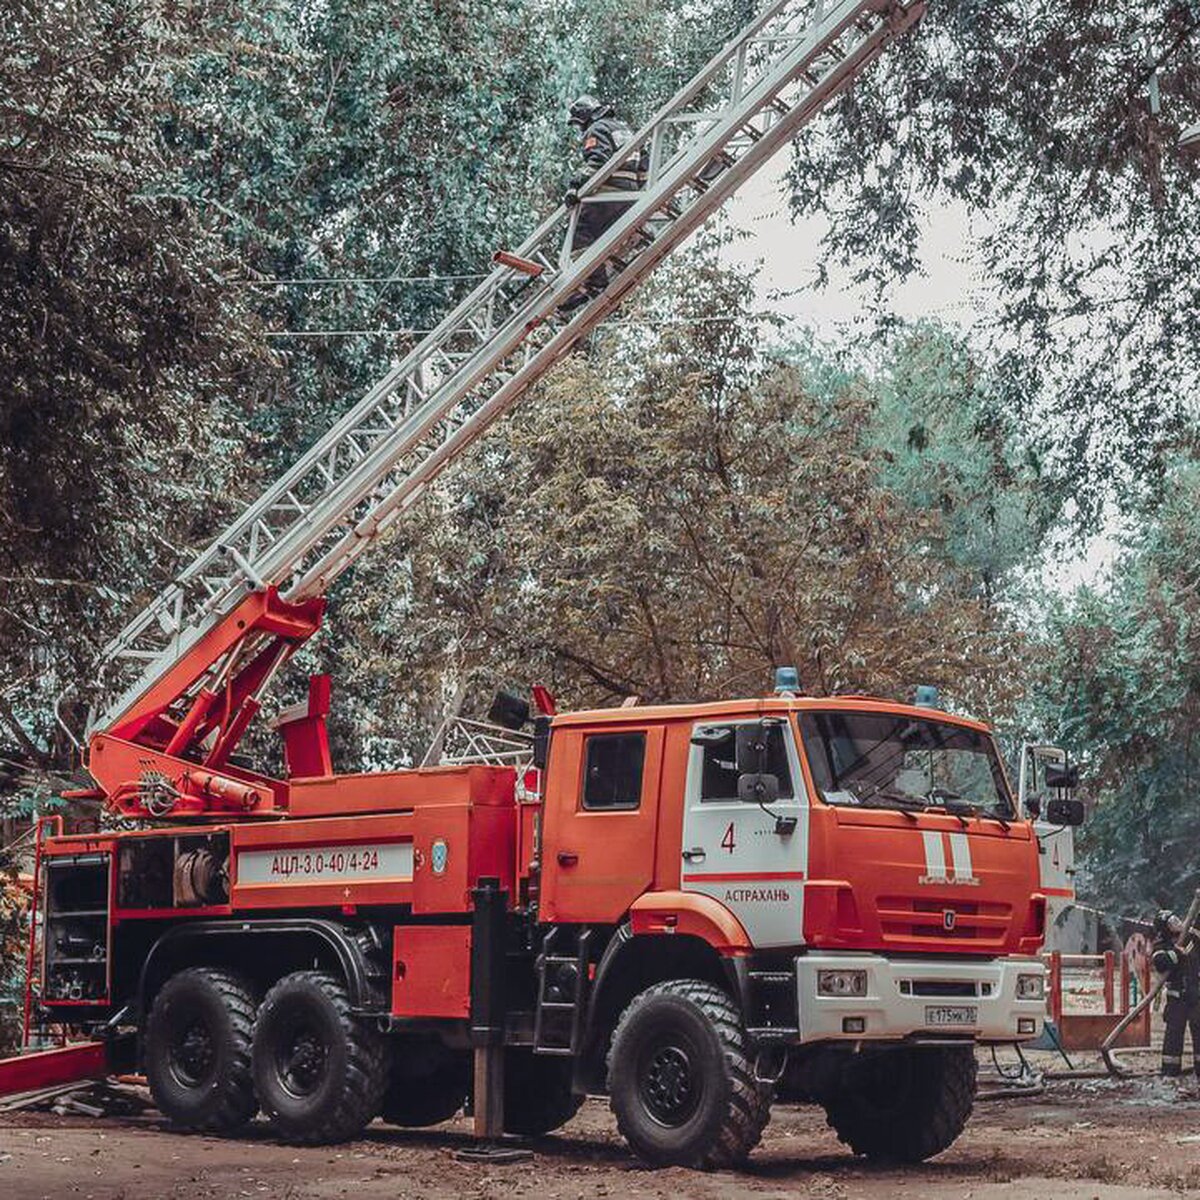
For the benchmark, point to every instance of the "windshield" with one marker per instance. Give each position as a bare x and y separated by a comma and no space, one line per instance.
879,760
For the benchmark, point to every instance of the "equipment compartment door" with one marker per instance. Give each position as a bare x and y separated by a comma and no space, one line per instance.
601,814
741,854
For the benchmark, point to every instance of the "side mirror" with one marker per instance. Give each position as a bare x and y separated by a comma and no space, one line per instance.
751,751
1063,811
1062,778
757,788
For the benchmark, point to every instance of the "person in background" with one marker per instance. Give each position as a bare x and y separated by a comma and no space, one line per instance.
1181,966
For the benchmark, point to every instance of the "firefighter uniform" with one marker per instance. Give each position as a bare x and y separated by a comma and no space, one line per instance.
1182,1012
604,136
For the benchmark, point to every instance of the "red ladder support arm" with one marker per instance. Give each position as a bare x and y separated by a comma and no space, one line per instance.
182,733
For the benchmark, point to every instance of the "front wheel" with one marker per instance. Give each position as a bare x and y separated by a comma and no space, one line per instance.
320,1072
681,1078
905,1105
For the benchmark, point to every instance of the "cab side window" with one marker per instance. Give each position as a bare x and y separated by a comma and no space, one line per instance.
719,775
612,771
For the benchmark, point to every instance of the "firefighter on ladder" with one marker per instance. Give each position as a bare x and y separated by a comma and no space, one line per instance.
603,135
1181,966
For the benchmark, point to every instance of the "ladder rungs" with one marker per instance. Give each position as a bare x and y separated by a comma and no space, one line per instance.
504,258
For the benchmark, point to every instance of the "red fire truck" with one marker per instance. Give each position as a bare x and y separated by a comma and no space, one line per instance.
687,907
691,908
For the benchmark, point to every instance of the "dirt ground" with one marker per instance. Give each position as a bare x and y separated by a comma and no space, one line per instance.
1078,1140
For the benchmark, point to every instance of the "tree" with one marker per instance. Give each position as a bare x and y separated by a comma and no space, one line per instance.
118,352
1038,120
952,442
1122,681
671,516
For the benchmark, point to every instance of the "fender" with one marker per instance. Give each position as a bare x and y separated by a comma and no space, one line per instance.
346,945
690,913
658,920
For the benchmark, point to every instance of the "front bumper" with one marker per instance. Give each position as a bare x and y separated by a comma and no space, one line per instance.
905,998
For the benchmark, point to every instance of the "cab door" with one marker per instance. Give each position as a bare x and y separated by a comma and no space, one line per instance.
601,811
751,858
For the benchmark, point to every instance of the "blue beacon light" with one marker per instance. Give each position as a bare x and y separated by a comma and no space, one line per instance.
787,681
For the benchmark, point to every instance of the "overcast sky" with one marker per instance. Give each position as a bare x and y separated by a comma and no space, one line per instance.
950,289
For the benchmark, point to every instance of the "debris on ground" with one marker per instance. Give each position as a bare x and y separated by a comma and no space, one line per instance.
93,1098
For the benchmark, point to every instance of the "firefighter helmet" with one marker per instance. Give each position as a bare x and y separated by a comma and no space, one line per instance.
1166,922
588,109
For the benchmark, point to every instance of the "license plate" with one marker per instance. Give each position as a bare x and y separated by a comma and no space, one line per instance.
952,1014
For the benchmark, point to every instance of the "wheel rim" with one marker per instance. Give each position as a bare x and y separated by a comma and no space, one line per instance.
301,1060
669,1086
193,1054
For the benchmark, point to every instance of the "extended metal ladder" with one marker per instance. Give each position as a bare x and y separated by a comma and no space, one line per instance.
311,525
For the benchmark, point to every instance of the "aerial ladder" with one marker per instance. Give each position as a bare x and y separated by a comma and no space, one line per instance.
185,678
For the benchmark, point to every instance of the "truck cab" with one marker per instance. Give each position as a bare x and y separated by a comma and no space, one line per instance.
860,867
890,859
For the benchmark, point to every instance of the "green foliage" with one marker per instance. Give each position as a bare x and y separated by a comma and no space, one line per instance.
1035,117
1122,682
13,926
671,516
955,443
119,345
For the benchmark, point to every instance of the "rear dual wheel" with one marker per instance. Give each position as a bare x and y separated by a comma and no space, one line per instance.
214,1055
320,1071
198,1047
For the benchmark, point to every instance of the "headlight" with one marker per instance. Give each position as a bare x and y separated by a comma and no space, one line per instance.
1031,987
841,983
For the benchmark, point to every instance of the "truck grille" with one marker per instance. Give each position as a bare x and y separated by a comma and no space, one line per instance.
938,988
905,919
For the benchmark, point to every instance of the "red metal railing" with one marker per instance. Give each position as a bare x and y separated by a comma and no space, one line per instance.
35,898
1106,976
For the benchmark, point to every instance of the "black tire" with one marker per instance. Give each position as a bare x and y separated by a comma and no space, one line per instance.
428,1085
320,1072
905,1105
197,1050
538,1097
681,1078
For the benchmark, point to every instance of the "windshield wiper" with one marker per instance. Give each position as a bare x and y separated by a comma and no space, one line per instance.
961,808
897,802
964,807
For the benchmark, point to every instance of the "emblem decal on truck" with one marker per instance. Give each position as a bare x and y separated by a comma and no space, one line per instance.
439,854
961,872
